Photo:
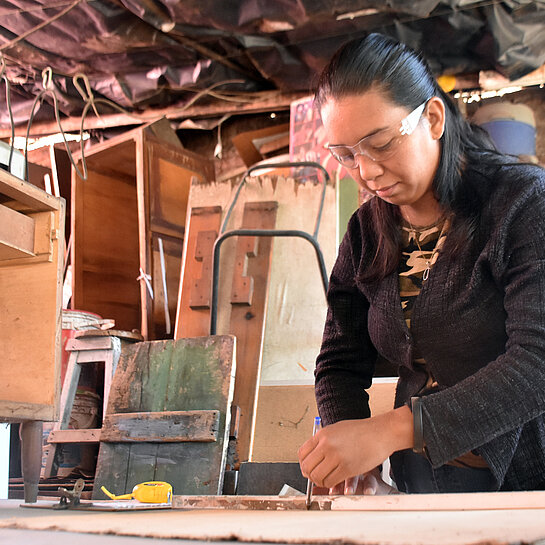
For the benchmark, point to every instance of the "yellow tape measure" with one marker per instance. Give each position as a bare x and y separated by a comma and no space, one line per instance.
149,492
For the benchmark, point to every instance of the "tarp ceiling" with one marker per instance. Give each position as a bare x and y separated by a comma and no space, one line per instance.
144,54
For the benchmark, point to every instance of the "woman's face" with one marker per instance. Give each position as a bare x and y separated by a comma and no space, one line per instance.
405,177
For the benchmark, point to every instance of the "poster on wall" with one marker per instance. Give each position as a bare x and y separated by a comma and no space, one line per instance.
308,140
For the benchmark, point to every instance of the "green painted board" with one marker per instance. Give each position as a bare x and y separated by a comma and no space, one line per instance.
170,375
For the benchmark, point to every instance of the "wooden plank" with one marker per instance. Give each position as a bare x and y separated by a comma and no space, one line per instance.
44,236
460,527
193,309
247,320
257,503
164,426
172,258
89,435
26,194
182,375
16,234
245,142
480,501
86,343
265,101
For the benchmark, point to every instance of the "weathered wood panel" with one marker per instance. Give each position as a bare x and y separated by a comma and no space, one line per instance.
164,426
184,375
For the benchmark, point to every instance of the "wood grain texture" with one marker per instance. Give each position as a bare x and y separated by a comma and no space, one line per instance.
30,318
27,196
105,253
184,375
16,234
248,309
161,427
169,172
193,310
358,527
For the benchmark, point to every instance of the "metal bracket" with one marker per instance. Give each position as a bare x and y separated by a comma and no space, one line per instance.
70,499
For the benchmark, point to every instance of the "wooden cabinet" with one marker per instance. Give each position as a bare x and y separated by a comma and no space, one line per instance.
31,257
128,225
31,266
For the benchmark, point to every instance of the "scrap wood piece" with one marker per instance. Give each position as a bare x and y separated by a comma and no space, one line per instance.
258,503
162,426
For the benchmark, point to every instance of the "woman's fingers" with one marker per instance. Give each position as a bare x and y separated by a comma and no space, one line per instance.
370,484
351,485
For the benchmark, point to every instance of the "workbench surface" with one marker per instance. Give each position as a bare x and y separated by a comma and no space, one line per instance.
455,527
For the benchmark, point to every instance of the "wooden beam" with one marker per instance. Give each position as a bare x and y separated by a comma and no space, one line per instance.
261,102
161,427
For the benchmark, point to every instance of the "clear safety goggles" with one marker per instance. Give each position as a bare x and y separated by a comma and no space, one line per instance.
381,145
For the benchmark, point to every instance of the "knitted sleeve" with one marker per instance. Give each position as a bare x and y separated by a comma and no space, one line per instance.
345,365
508,392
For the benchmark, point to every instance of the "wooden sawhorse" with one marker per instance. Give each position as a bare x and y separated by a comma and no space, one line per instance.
83,350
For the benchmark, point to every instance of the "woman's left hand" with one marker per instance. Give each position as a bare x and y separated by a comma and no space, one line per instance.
354,447
370,484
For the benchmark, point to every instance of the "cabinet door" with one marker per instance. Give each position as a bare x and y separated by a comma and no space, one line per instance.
171,171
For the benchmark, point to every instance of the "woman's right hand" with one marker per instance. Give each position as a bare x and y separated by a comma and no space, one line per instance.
354,447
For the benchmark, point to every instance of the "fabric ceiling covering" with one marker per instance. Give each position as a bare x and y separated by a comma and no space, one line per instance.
144,54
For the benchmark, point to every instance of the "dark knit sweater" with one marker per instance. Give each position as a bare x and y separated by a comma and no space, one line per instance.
479,322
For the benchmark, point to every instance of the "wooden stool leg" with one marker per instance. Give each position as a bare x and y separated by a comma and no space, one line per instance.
31,457
110,363
68,393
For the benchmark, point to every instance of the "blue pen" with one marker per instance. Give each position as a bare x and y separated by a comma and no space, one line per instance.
317,426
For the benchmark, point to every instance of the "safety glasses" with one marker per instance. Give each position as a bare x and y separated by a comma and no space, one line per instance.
381,145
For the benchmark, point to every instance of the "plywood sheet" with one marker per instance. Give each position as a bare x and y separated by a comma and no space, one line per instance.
182,375
285,416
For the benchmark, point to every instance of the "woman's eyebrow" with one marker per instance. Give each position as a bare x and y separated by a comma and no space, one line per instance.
372,133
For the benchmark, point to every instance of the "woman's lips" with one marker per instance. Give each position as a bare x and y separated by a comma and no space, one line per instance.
385,191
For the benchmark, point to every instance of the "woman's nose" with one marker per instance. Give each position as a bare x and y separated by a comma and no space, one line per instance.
368,168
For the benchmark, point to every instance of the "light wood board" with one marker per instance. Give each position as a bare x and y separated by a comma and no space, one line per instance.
469,527
394,502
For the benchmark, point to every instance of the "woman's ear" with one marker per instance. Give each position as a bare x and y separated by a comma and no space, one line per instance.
435,114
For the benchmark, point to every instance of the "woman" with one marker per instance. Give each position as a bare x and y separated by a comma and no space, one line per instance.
442,273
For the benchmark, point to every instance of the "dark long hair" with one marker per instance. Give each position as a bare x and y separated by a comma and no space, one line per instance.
380,62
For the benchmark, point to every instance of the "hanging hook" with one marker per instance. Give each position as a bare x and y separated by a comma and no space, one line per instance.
87,95
47,78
